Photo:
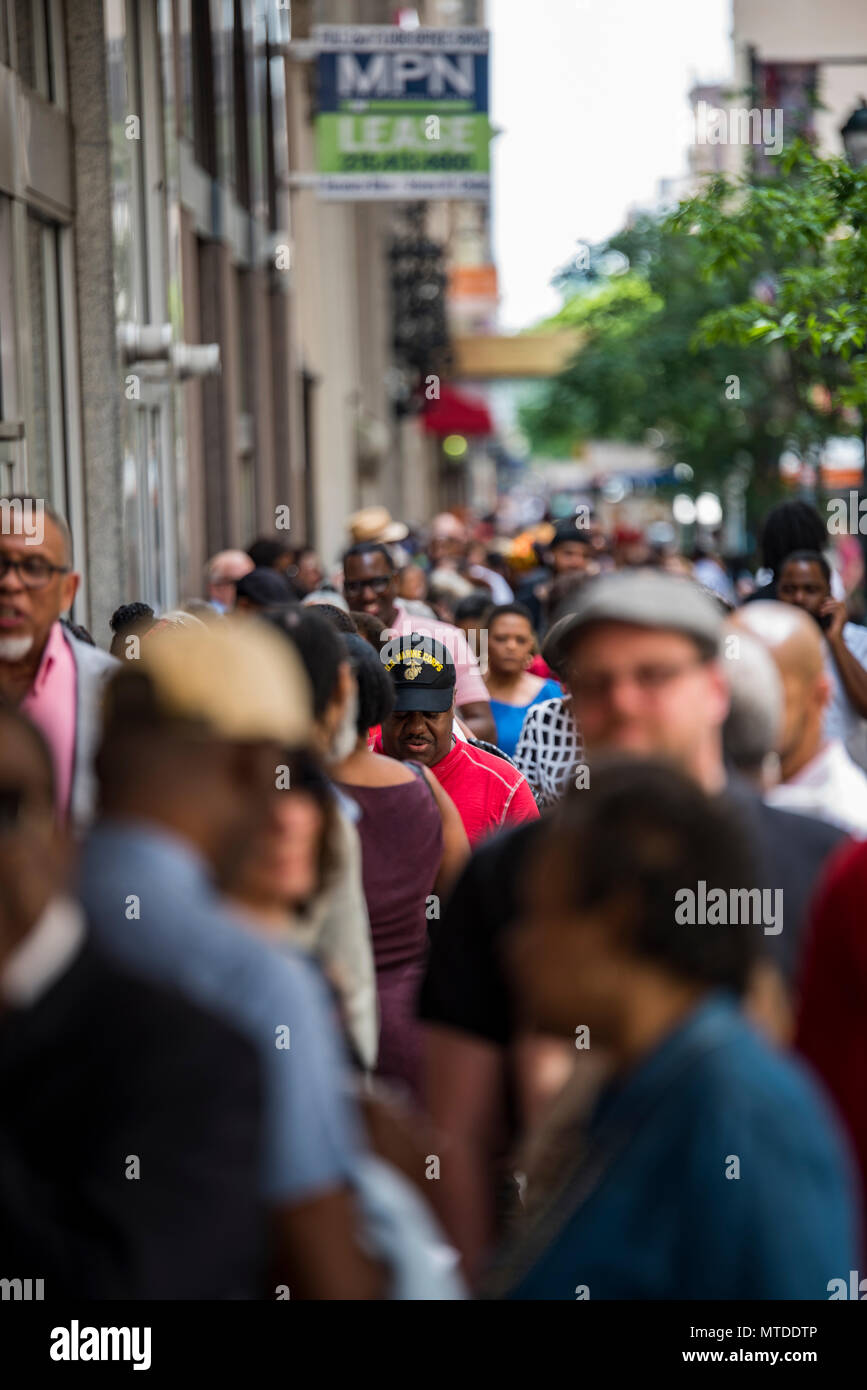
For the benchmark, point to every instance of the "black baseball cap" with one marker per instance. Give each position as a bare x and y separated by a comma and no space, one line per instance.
264,587
423,672
569,530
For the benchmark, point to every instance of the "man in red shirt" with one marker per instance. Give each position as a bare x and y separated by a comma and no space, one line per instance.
370,584
488,791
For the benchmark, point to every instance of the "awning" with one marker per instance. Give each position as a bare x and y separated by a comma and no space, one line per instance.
456,413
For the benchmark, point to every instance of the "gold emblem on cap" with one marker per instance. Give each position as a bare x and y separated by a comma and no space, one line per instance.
412,669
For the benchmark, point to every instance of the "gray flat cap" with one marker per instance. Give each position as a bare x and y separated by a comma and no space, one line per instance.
645,598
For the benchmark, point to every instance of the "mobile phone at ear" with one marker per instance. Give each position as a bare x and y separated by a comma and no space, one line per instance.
825,620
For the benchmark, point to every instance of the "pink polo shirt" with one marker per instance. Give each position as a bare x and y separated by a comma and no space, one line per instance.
50,704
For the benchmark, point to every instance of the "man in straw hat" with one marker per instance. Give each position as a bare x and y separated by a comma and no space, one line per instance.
375,524
196,737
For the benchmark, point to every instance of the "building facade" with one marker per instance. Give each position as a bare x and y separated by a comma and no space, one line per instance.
808,60
149,389
193,347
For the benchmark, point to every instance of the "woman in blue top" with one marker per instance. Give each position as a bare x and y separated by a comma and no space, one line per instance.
511,644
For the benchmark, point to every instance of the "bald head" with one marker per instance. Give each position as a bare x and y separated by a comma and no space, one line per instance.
791,636
751,733
794,640
222,573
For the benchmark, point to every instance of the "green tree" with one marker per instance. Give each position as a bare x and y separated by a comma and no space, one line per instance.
803,232
762,281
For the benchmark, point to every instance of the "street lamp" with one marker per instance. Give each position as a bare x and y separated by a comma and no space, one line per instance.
854,135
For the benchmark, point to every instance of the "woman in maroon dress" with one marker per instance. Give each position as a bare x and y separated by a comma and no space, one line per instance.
413,844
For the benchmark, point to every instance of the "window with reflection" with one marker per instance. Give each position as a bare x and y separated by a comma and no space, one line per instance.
223,49
202,79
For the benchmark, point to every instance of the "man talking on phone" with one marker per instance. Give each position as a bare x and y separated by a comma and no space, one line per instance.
805,581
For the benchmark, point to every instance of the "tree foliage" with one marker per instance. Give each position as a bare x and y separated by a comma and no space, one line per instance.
805,232
763,281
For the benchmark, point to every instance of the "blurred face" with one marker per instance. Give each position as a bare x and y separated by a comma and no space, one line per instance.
510,644
472,629
476,553
234,785
413,583
370,585
804,701
446,548
33,598
632,554
282,870
677,564
569,557
226,572
803,584
31,850
645,692
336,727
567,963
422,737
308,573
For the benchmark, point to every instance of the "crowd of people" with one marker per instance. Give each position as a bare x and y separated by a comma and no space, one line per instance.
479,917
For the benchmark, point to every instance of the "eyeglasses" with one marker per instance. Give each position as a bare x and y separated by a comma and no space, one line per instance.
650,680
34,572
379,583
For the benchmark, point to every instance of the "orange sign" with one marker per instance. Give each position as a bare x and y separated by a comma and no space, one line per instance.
473,282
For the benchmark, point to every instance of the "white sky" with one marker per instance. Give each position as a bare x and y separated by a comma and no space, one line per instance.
591,97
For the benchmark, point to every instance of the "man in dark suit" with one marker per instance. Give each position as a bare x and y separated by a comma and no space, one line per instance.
130,1120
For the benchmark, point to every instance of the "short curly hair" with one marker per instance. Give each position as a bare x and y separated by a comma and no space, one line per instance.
129,613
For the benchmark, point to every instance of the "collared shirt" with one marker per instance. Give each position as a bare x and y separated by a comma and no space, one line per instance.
842,721
151,905
713,1170
831,786
47,950
470,688
51,704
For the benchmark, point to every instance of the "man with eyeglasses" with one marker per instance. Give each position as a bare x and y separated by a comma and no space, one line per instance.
639,654
46,672
370,586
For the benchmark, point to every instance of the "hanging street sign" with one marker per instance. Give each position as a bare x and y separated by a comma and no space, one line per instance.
402,113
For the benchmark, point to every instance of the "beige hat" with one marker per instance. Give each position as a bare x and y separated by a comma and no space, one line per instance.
375,524
239,678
